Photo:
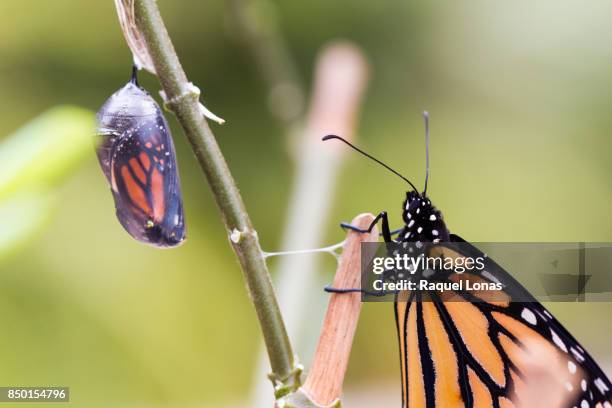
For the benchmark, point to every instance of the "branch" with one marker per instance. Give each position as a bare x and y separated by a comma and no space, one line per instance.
323,385
340,78
184,103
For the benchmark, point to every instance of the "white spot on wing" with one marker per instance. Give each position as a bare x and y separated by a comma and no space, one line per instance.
577,354
529,317
571,367
601,385
432,217
558,341
490,277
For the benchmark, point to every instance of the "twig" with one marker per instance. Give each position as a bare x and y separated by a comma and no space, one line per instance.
323,386
243,237
339,81
340,78
325,378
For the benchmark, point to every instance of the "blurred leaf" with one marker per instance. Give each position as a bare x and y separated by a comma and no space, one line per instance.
45,150
32,161
22,215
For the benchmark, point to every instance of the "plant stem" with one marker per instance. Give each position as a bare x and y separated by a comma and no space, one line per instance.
185,105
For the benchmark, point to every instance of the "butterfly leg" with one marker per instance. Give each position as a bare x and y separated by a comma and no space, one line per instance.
331,289
386,231
387,234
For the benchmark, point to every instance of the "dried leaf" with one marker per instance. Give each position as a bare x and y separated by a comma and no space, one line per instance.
133,36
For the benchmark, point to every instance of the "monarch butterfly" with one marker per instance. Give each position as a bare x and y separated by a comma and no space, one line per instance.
136,153
477,352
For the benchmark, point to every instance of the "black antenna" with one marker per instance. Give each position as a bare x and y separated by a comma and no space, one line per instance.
134,79
328,137
426,118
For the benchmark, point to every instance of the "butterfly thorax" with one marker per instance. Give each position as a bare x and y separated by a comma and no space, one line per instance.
423,221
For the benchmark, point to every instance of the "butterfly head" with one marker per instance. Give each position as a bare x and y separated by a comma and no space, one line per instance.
423,221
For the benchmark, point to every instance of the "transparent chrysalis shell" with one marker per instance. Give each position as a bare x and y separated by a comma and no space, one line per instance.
137,156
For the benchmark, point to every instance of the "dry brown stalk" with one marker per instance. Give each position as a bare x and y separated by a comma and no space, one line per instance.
324,382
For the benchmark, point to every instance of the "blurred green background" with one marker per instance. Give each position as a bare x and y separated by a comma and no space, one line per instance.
519,95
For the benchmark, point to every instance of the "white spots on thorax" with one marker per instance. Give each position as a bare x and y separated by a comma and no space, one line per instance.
557,340
529,316
418,210
571,367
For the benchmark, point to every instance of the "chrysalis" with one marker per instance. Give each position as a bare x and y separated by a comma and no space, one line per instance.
136,153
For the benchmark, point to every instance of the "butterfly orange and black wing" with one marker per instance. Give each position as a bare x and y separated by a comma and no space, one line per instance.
463,349
137,156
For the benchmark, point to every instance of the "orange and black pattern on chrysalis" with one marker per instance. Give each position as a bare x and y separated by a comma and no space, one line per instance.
136,153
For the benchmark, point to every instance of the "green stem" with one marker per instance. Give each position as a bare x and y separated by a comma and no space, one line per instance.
185,105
